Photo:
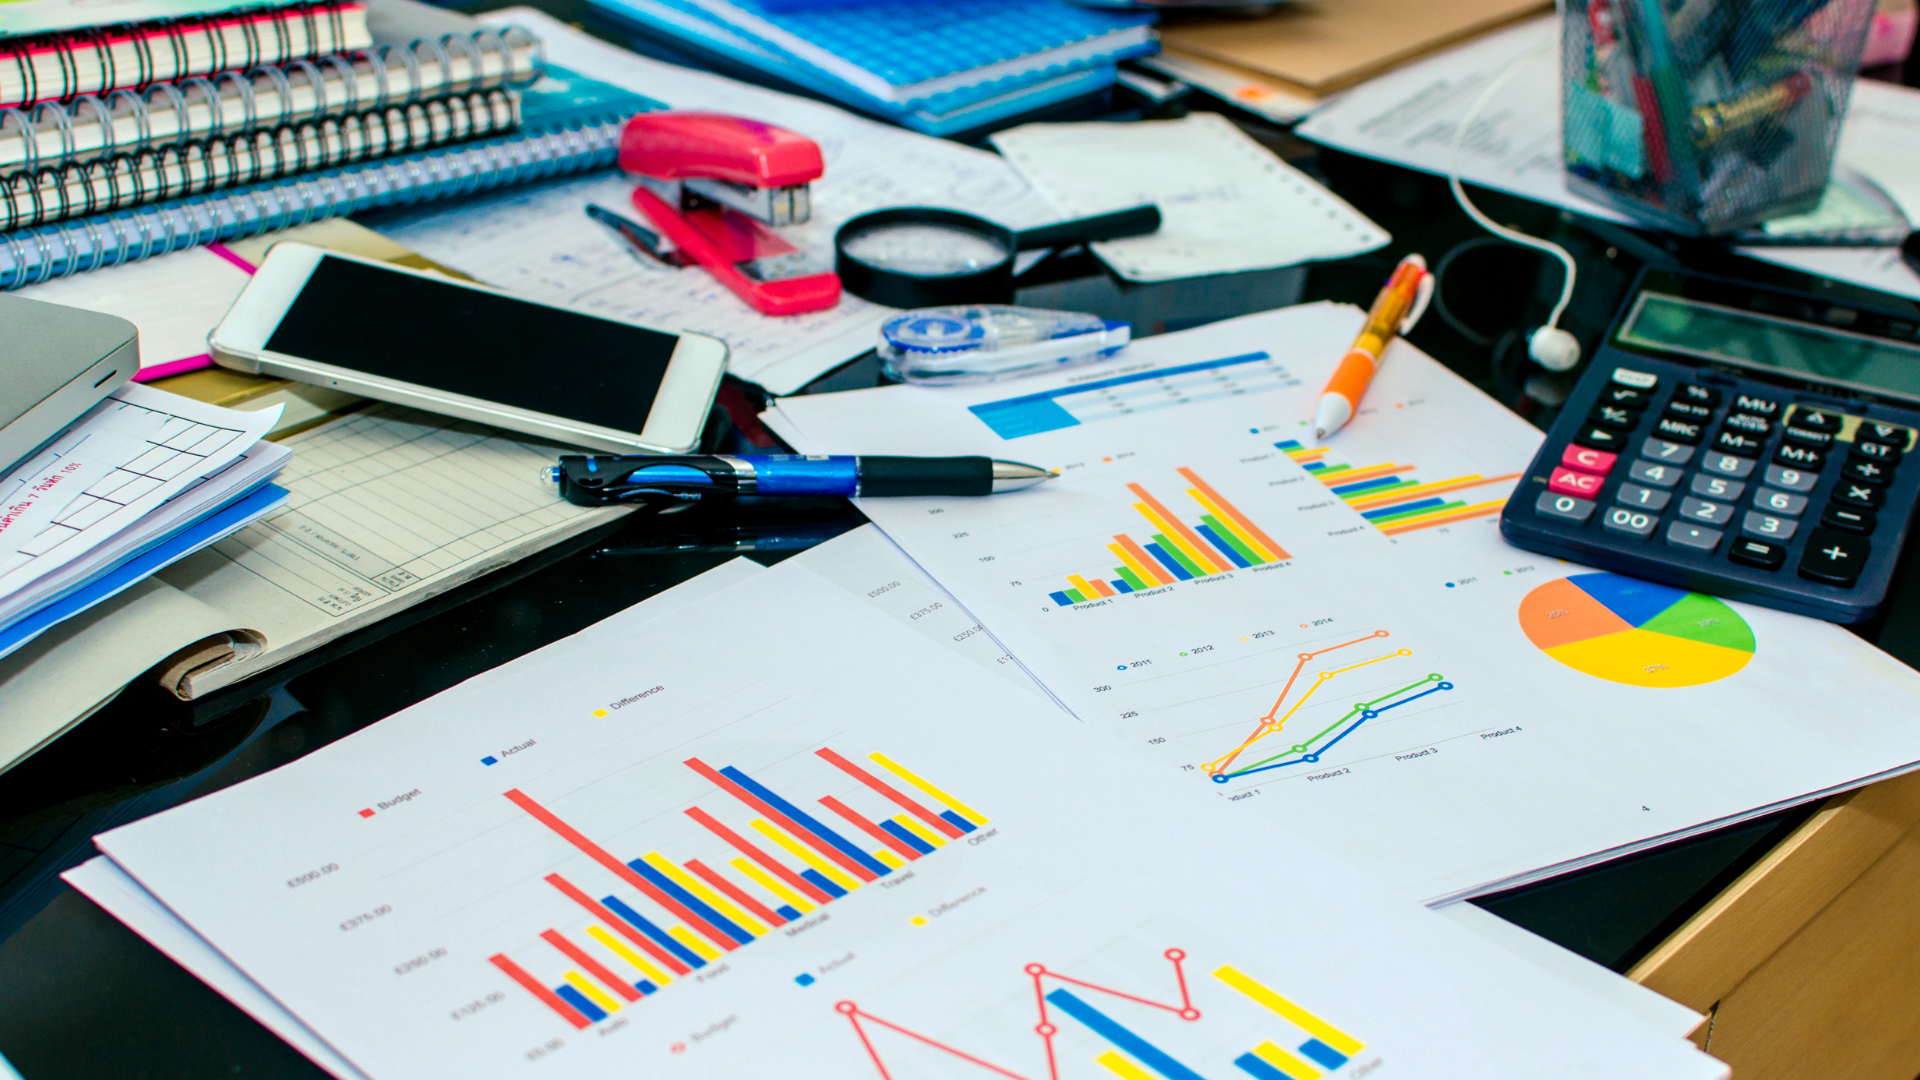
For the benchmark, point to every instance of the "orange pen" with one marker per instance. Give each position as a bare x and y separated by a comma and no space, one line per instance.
1399,305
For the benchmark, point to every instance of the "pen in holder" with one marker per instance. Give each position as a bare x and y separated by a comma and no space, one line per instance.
1707,116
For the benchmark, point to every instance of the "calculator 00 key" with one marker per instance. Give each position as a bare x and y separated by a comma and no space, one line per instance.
1630,522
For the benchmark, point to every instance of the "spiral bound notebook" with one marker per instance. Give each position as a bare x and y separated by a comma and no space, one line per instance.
183,169
128,121
570,124
58,66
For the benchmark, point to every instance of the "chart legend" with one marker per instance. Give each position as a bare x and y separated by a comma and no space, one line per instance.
1393,501
794,863
1636,632
1223,538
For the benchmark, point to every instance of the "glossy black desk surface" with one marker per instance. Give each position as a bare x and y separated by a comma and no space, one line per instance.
82,997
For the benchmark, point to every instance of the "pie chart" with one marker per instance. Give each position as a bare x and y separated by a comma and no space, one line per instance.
1635,632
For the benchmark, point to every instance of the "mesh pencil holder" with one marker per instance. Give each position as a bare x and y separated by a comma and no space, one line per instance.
1707,116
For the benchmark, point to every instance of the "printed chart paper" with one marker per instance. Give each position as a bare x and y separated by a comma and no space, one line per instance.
1334,636
823,862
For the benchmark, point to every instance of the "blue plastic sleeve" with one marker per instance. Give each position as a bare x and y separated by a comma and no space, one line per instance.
788,474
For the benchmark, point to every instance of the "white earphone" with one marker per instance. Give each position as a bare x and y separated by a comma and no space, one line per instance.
1549,346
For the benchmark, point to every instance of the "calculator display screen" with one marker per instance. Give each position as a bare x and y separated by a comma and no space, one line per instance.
1740,337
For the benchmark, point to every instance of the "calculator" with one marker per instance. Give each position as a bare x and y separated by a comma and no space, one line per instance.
1739,439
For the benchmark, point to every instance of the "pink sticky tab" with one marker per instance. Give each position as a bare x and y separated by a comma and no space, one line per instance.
1568,482
1587,460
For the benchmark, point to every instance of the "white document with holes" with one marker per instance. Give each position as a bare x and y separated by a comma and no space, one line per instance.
849,854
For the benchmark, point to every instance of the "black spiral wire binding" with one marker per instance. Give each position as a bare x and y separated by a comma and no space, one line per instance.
334,80
31,256
178,170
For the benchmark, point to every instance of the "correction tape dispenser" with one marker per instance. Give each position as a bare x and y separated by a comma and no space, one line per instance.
984,342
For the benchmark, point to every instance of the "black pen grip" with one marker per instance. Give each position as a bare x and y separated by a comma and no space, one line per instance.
905,477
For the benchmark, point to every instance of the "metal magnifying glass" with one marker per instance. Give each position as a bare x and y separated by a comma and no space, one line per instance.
923,256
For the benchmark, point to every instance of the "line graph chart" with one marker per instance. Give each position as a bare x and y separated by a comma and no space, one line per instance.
1310,749
1132,1053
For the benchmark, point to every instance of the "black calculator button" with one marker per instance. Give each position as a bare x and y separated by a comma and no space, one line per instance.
1728,465
1630,522
1599,438
1871,471
1626,397
1834,557
1653,472
1768,526
1886,453
1680,431
1716,487
1770,501
1737,442
1850,518
1815,420
1652,500
1705,511
1812,440
1758,553
1757,426
1855,493
1886,433
1755,406
1637,380
1671,453
1613,416
1566,507
1689,410
1696,537
1800,480
1699,395
1799,457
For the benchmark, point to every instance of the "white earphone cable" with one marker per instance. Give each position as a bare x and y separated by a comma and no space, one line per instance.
1460,194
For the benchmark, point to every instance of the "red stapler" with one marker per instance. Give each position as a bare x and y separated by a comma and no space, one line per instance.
717,186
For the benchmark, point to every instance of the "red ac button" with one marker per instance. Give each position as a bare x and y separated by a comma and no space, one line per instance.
1568,482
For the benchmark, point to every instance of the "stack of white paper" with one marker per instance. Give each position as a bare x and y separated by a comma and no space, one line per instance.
140,469
850,855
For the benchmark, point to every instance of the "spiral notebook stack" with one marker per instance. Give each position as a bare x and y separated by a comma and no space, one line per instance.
122,142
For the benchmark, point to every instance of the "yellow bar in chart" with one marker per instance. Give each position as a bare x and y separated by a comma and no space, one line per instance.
920,830
953,804
708,896
619,949
798,851
1231,525
1285,1062
1294,1014
1121,1067
1173,537
766,881
1133,564
704,950
580,983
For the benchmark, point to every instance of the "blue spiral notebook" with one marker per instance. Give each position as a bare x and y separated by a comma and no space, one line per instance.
569,123
934,57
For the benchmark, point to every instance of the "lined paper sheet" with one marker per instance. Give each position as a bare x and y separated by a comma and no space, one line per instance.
1226,203
388,506
538,240
117,464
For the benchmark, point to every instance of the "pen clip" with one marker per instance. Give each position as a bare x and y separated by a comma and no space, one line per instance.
1423,295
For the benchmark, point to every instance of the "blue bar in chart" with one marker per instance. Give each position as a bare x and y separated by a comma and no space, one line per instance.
579,1001
1114,1032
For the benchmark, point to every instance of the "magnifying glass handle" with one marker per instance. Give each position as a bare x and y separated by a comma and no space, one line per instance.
1138,221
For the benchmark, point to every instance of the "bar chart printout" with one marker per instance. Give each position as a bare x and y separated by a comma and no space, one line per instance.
677,917
1221,539
1129,395
1394,502
1133,1028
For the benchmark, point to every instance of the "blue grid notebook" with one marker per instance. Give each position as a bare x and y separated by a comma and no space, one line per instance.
940,54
